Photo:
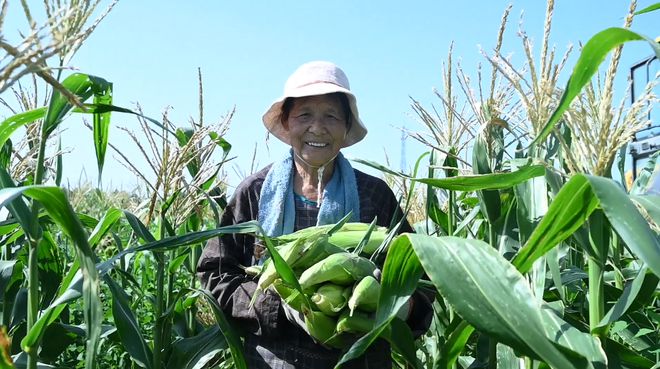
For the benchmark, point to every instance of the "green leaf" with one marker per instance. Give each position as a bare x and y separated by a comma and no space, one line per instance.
56,204
11,124
101,126
109,219
627,298
650,203
128,327
234,342
81,85
592,55
70,290
183,136
5,154
105,108
399,279
574,204
455,344
17,207
490,202
195,352
566,213
493,181
633,229
572,338
138,227
6,276
648,9
490,294
175,242
59,164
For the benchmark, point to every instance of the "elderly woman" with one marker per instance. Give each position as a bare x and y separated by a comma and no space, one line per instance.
313,185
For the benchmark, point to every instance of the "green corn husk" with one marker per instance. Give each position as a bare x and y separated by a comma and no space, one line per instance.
349,239
342,268
314,251
357,323
322,328
288,252
331,298
254,270
292,297
365,295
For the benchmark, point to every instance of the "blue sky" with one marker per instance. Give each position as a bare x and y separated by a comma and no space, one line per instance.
390,50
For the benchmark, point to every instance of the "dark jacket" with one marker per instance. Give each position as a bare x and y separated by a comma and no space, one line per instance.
271,341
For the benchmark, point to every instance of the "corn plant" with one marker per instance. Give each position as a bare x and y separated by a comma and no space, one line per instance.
537,262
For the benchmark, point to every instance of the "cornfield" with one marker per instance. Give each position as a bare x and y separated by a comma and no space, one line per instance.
537,257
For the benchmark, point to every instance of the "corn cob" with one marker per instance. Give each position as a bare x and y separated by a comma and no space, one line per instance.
322,328
342,268
254,270
365,295
331,298
358,323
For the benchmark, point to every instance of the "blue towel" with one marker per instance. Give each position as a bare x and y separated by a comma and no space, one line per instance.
277,212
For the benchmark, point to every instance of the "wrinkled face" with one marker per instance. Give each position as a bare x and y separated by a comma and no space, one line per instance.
317,128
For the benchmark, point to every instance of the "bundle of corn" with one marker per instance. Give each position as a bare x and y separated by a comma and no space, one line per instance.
340,293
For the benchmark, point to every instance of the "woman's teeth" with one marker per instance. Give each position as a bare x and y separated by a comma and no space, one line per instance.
316,144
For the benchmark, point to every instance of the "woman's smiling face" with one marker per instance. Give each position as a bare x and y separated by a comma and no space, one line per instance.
317,128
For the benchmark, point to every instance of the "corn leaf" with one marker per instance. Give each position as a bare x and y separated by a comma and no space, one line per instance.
175,242
567,212
574,203
81,85
138,227
70,290
592,55
651,204
234,342
128,327
490,203
399,279
11,124
628,296
101,127
494,181
59,164
648,9
620,356
105,108
110,218
17,207
490,294
455,343
198,351
56,204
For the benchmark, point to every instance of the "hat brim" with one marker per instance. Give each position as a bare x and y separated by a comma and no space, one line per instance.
272,117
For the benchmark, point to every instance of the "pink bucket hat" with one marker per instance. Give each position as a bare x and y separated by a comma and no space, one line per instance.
315,78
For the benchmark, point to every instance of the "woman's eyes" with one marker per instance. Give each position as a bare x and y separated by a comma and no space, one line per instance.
306,117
